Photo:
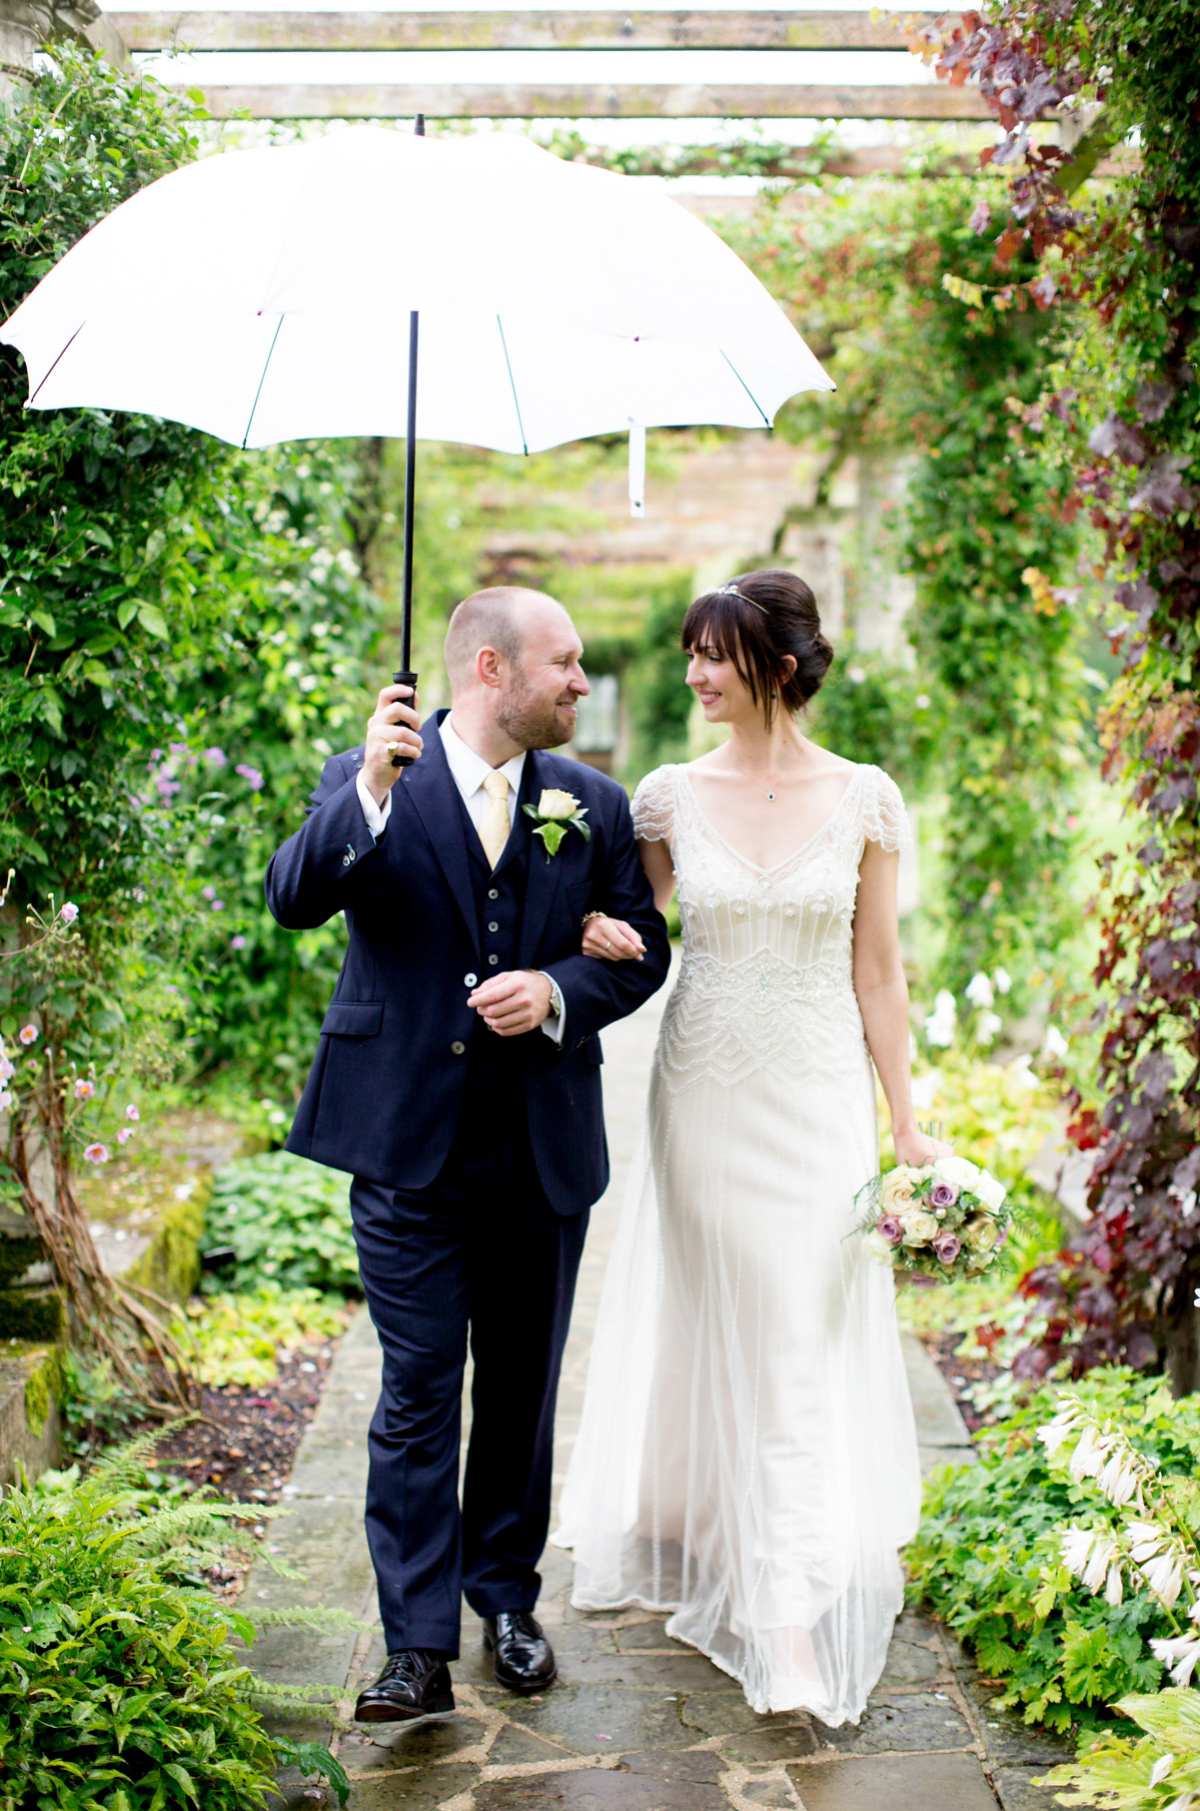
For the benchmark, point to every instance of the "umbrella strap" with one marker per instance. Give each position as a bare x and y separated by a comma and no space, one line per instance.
637,468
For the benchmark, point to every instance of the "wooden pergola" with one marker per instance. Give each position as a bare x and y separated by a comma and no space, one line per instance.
503,33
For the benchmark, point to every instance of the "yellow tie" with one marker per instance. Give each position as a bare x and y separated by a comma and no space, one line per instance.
493,832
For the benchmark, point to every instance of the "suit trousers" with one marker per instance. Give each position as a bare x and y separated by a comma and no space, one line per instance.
480,1253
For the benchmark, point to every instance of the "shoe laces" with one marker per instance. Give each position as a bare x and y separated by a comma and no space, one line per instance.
410,1664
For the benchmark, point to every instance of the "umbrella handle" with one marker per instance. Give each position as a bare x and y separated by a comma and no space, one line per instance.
404,678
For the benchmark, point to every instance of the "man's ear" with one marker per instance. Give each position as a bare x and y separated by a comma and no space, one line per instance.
489,667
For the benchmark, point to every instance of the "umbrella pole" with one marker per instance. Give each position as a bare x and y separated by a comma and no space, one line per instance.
405,675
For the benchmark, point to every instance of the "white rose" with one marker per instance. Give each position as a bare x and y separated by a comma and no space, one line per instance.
919,1227
957,1170
990,1192
980,1235
557,805
879,1248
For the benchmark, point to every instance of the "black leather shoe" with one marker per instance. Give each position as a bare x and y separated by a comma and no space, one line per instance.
522,1658
414,1683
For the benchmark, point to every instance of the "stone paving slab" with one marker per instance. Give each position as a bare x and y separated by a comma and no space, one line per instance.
636,1721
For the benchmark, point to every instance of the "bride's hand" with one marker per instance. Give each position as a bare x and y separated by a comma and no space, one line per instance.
918,1148
612,940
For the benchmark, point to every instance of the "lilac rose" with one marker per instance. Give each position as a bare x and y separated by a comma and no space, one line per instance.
890,1228
943,1194
947,1245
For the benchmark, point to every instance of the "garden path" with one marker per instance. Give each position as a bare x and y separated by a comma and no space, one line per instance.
636,1722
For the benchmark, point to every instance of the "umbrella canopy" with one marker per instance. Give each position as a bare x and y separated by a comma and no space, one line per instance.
265,295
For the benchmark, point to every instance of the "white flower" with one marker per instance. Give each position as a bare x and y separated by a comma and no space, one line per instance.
990,1192
1062,1426
1089,1455
1022,1073
989,1024
924,1090
1114,1591
1119,1479
1180,1653
556,805
1146,1538
958,1170
919,1227
1054,1043
1075,1548
1003,980
1161,1768
979,991
1164,1576
939,1026
1103,1553
879,1248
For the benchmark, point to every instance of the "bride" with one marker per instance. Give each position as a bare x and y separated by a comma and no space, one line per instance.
747,1457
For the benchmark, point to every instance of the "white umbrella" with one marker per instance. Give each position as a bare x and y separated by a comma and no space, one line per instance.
264,296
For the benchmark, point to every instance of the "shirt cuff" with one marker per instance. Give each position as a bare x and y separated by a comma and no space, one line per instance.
555,1026
376,815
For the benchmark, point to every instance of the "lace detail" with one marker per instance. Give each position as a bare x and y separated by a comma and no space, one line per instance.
729,1021
654,806
884,819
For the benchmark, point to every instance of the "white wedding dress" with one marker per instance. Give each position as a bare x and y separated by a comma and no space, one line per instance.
747,1456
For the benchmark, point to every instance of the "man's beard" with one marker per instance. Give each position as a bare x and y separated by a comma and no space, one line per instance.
529,721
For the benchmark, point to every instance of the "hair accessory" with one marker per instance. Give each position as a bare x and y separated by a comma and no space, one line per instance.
732,591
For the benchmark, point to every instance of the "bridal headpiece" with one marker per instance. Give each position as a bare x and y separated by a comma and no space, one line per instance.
732,591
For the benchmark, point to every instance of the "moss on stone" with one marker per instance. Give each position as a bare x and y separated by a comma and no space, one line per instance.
170,1265
35,1314
17,1252
43,1391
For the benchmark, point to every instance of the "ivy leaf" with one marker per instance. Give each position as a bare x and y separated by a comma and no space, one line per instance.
100,535
126,612
44,621
153,621
96,672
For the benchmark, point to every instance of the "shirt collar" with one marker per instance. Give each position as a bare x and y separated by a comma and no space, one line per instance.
468,769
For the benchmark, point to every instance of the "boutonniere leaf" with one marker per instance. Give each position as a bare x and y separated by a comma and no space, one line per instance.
554,814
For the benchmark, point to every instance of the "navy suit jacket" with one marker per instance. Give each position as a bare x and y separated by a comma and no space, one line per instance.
384,1092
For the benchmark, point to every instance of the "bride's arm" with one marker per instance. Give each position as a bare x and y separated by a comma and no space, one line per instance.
883,998
611,939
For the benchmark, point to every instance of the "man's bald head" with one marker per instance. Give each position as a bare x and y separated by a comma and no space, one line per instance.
489,619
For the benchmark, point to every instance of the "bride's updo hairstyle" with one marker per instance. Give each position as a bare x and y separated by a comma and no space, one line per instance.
756,621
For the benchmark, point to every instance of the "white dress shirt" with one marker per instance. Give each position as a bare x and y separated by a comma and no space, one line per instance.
469,771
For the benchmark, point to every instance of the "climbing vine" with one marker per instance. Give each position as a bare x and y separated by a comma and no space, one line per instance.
1126,247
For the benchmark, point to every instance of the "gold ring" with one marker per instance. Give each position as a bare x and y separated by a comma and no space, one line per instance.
392,747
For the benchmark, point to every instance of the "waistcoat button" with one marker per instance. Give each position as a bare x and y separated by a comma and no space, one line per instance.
493,926
470,980
456,1048
492,961
493,892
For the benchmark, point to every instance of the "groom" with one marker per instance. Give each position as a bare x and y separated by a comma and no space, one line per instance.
457,1077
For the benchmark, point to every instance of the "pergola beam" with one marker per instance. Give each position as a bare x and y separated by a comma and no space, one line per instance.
510,31
629,100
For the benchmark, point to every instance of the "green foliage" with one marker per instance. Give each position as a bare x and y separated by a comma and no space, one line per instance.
874,709
289,1222
236,1338
1155,1772
986,1558
118,1688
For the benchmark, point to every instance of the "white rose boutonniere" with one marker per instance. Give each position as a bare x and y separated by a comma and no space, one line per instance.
554,814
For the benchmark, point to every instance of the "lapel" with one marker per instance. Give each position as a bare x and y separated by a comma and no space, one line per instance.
429,785
544,876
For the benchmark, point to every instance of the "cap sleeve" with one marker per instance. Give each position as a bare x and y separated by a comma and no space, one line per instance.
884,818
654,807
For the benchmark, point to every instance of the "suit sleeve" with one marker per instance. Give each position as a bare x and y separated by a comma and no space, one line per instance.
312,877
595,993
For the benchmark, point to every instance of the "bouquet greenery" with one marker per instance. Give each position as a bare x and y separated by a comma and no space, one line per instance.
947,1219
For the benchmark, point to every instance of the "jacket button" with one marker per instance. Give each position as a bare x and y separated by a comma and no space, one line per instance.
492,961
493,926
493,892
470,980
346,859
457,1048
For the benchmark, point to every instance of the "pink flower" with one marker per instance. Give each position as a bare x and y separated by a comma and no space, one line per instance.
69,913
125,1134
947,1245
251,775
28,1034
890,1228
943,1194
208,892
6,1069
96,1153
84,1090
216,756
131,1112
218,905
238,942
6,1100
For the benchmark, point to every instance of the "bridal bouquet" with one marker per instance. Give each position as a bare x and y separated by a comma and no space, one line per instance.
948,1219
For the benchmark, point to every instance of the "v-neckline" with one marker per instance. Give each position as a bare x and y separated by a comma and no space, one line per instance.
796,853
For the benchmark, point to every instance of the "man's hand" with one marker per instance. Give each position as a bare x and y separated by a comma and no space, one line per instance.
392,730
513,1003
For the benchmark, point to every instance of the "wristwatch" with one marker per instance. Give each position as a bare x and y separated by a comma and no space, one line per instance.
556,999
